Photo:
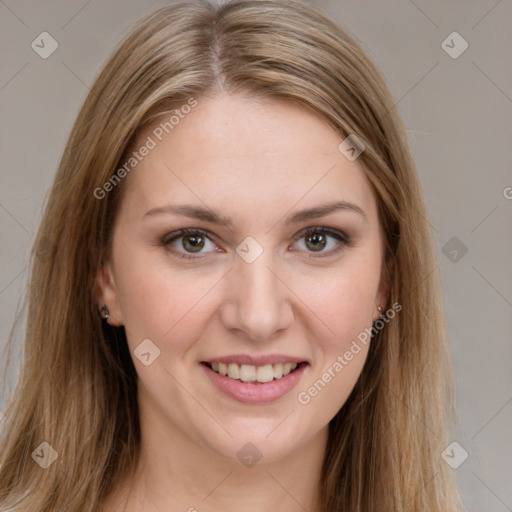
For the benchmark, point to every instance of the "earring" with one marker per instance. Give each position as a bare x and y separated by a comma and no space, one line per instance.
380,309
104,312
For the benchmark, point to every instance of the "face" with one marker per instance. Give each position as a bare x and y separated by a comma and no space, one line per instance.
270,283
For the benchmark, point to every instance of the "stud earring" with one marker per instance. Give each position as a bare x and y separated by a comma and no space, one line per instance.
104,312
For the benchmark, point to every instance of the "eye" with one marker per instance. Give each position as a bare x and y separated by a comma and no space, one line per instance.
187,243
316,239
191,241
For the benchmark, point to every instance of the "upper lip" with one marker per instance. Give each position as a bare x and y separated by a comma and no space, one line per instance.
256,360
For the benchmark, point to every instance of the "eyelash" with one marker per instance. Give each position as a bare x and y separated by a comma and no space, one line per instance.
338,235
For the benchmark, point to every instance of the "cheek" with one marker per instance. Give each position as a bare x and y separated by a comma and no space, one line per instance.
338,358
343,300
159,303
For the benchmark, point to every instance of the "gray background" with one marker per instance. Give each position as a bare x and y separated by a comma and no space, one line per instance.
458,116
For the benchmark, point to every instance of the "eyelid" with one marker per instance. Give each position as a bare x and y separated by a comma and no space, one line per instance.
187,231
322,229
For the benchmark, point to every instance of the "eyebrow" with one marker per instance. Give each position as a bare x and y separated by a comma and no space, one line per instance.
213,217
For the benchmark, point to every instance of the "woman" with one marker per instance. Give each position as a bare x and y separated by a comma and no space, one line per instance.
232,300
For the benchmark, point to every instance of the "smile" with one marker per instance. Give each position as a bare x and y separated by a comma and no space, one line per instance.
255,379
253,373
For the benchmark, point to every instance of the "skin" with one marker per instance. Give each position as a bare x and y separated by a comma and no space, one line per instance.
255,162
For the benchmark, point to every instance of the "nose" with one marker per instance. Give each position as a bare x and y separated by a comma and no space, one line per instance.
257,301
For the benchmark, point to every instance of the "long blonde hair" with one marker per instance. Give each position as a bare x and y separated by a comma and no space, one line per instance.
77,385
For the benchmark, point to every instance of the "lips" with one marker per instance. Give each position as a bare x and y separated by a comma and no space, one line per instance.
255,379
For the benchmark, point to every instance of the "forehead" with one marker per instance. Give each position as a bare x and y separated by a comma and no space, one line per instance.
245,153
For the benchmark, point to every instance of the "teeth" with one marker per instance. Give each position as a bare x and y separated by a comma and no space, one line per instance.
247,373
251,373
234,371
265,373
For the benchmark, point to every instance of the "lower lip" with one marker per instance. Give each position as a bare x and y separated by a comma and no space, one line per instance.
255,392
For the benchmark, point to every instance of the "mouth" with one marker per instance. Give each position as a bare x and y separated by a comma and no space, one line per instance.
255,380
253,373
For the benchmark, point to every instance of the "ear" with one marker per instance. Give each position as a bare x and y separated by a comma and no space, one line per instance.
107,294
383,293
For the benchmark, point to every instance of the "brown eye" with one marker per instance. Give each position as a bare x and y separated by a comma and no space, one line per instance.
188,242
316,241
192,243
323,241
